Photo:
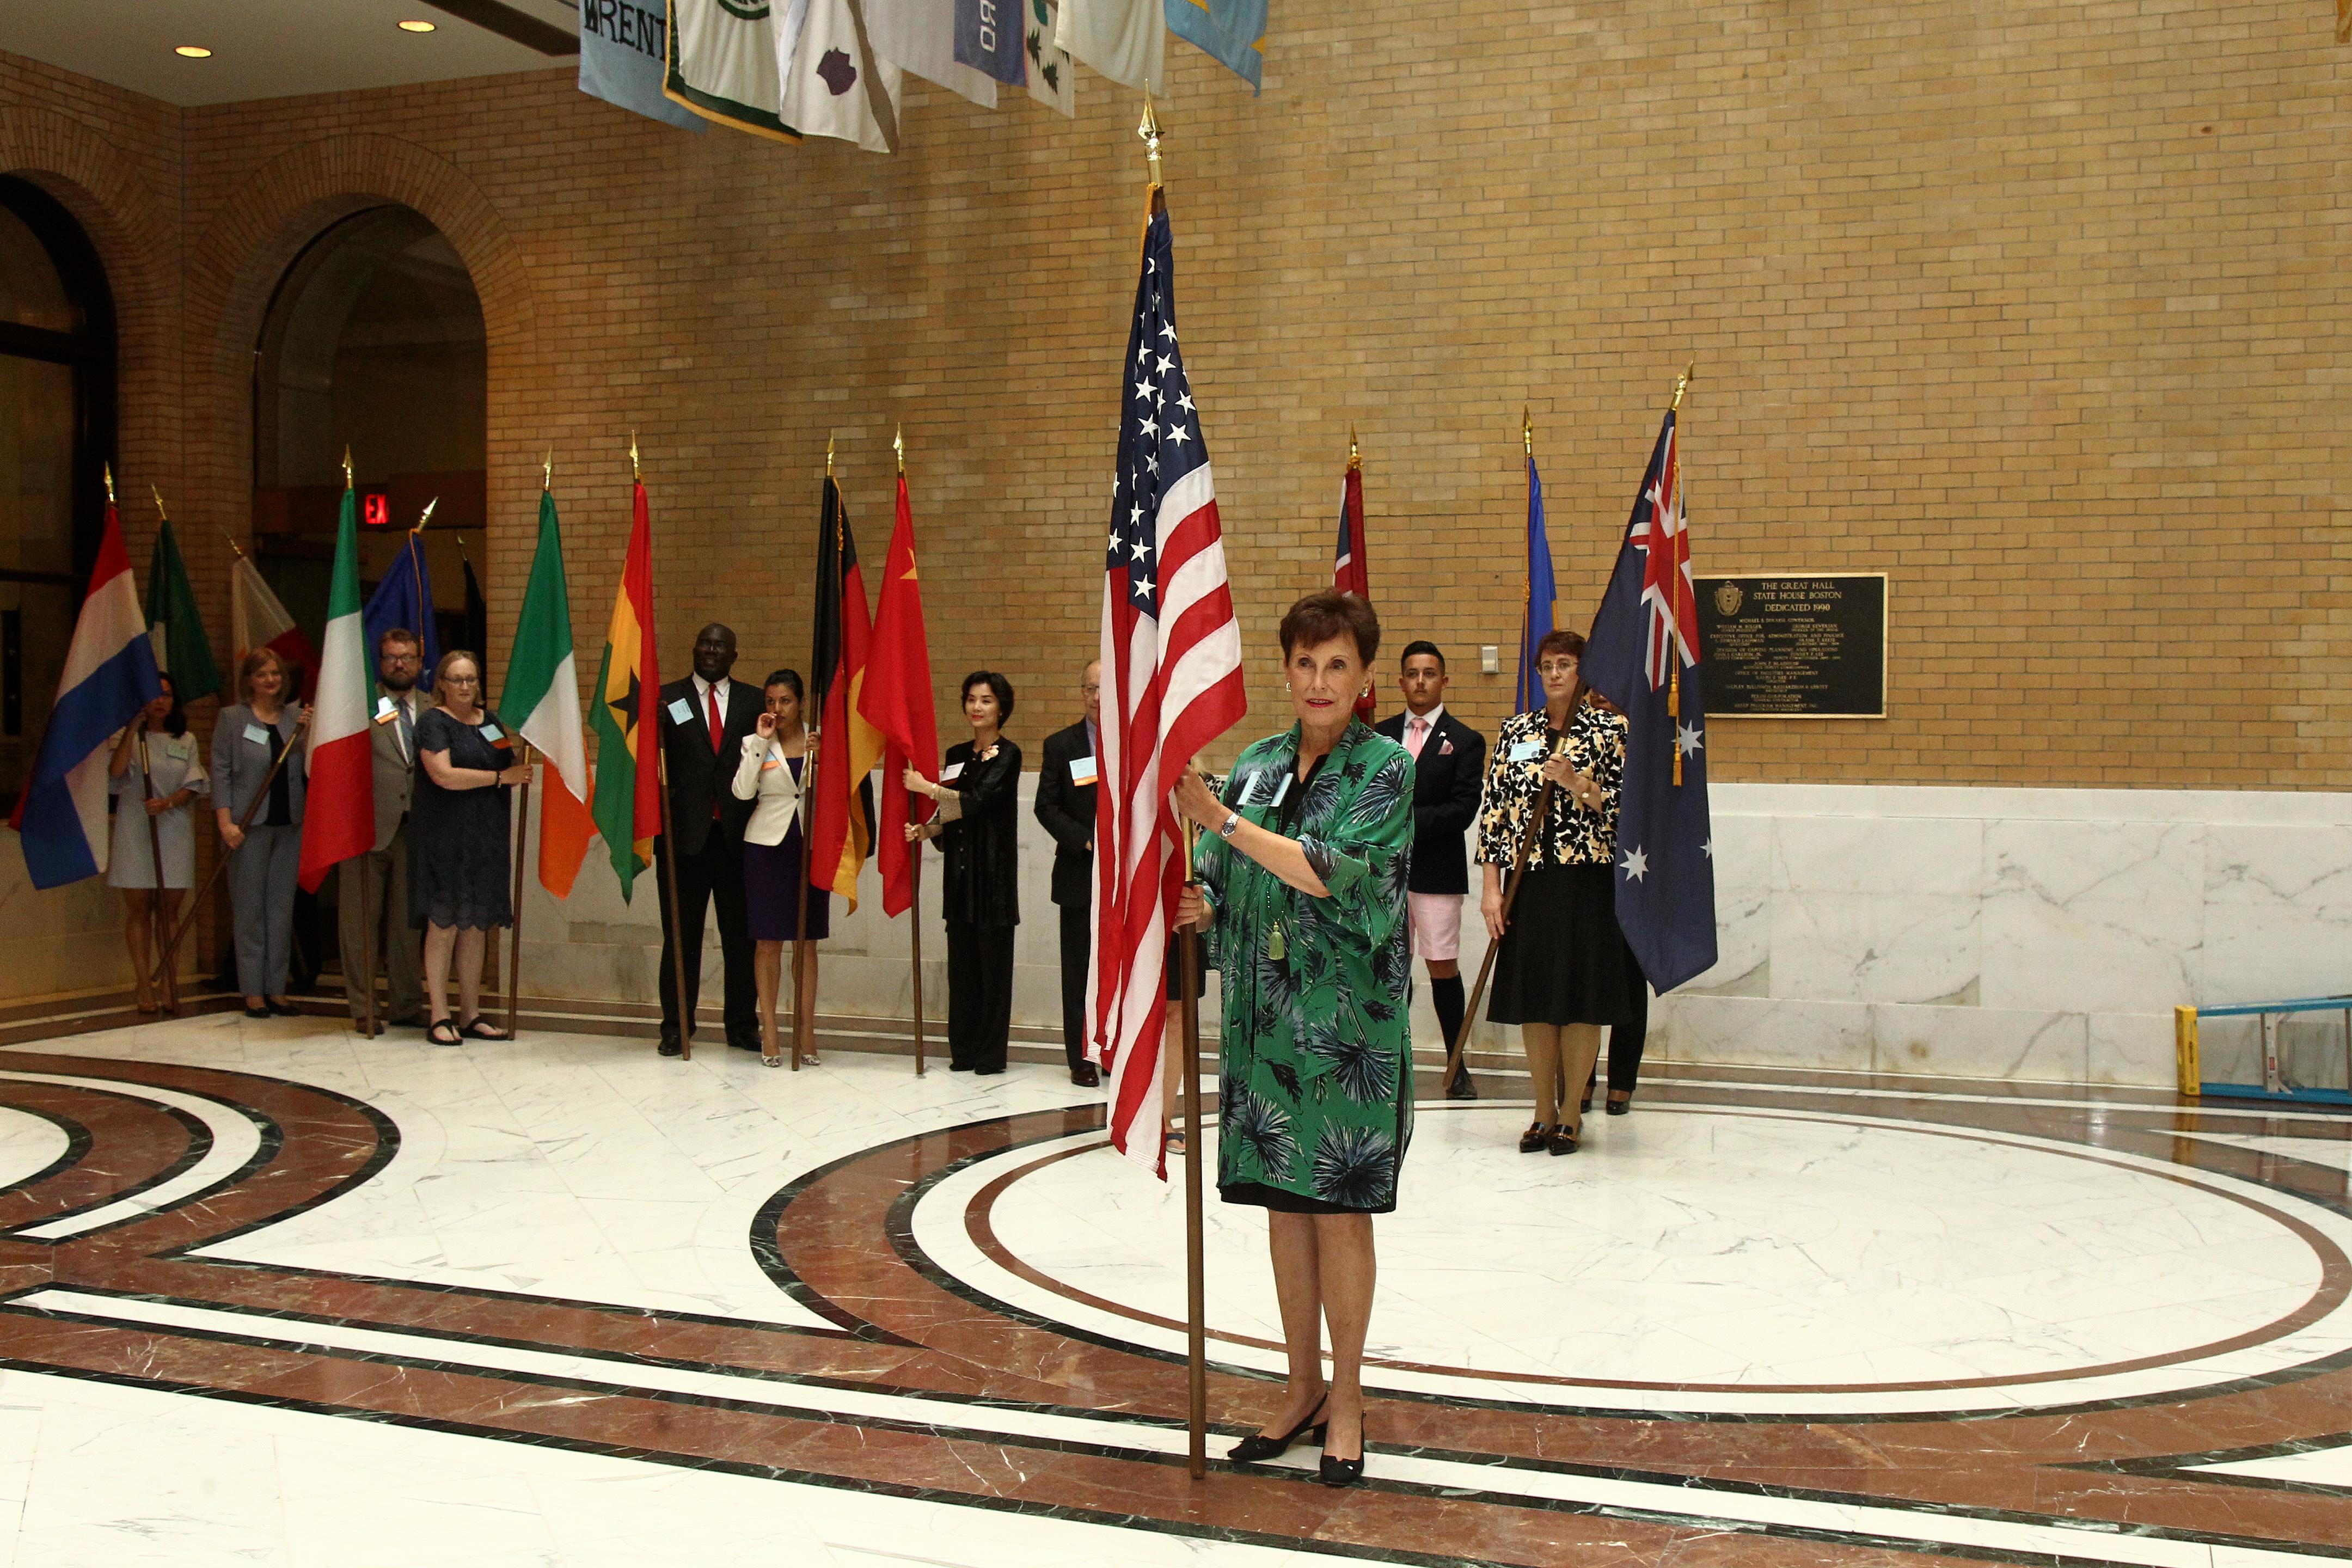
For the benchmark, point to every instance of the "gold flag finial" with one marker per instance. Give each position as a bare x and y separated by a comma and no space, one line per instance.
427,516
347,468
828,457
1148,130
108,469
547,471
1355,460
1682,384
635,472
159,504
898,444
235,548
1528,432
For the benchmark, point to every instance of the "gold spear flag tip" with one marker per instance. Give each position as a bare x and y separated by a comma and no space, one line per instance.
159,504
1528,432
108,469
635,472
547,471
898,444
1682,384
427,517
1354,459
828,457
347,468
1148,130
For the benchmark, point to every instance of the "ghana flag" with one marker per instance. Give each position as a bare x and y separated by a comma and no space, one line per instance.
627,807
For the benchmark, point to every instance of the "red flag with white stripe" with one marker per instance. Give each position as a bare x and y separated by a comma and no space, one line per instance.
1173,682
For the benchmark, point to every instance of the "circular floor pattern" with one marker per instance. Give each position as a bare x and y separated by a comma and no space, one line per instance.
29,1145
1713,1258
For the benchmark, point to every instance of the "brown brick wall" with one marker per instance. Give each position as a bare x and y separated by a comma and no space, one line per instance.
2044,318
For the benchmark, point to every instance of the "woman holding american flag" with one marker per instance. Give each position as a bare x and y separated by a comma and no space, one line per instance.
1301,888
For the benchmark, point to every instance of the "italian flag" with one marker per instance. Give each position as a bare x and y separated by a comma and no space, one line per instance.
338,821
543,683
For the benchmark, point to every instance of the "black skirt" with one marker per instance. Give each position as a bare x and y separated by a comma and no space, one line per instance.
1563,960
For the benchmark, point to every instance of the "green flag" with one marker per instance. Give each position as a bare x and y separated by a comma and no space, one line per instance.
542,704
183,652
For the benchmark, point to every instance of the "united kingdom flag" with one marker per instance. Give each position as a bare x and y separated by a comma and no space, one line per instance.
1644,655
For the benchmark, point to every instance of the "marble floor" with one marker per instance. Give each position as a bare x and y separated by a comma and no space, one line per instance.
274,1294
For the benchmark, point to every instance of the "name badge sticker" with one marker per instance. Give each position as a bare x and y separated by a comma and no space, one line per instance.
257,734
1280,790
949,774
679,714
491,732
1527,750
384,714
1081,770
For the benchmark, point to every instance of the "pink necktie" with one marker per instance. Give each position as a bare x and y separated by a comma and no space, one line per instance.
1415,733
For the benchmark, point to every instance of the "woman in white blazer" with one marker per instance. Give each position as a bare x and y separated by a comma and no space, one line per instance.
774,864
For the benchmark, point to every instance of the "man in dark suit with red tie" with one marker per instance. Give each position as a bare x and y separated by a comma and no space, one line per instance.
1065,807
1449,766
704,720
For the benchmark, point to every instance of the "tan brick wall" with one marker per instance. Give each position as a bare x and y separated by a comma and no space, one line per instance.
2042,316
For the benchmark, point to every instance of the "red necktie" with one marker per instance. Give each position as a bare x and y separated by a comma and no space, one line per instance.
711,696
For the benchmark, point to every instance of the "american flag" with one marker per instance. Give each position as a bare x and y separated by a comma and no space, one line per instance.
1171,652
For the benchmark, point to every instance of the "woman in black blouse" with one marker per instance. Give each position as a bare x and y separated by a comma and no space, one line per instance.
458,844
977,794
1562,968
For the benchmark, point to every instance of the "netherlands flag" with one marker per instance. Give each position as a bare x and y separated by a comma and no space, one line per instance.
110,675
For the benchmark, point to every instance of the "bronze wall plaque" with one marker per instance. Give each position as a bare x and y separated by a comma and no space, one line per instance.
1791,645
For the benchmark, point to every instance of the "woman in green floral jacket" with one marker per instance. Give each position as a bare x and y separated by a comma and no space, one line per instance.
1302,888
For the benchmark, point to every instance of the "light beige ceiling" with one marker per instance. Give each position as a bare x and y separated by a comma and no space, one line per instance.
279,49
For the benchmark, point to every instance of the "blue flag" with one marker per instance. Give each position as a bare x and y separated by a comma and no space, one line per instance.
1230,31
404,598
989,37
1534,621
1644,655
624,50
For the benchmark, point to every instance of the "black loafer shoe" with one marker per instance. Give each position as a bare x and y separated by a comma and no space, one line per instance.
672,1048
1620,1106
1563,1141
1462,1088
256,1012
1533,1140
1086,1076
284,1010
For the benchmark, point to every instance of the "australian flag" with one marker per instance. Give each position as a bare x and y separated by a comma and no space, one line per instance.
1644,655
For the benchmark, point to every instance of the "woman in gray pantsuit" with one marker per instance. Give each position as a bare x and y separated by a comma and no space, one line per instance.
263,856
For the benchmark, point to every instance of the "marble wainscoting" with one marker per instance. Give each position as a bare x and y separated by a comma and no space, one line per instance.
2012,934
2009,933
63,940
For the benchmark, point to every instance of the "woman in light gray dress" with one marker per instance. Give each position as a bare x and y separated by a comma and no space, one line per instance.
265,855
157,738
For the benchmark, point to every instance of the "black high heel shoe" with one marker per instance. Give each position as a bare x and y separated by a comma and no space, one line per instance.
1257,1447
1334,1472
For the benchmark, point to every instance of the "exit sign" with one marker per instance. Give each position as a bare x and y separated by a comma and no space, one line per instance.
375,507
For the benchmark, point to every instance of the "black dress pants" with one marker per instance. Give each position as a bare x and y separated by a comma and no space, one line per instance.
1625,1043
979,995
1077,952
712,876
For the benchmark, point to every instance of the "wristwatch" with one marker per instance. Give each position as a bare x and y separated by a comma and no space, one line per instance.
1232,821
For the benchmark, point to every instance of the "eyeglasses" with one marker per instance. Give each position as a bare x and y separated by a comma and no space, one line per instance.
1091,690
461,680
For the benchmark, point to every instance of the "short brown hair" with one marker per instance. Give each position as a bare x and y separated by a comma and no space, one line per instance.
252,663
1568,643
1319,618
398,634
441,671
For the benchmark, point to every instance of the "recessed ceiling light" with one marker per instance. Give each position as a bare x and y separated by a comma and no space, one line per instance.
416,26
194,52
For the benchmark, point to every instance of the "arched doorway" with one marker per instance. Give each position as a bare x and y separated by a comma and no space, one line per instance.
374,343
57,433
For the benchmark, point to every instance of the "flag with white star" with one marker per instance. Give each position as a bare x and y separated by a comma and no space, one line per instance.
1171,665
1644,655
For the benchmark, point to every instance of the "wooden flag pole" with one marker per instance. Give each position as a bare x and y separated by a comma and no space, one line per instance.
1196,1292
667,853
514,908
165,981
914,856
370,915
803,1034
220,861
1529,837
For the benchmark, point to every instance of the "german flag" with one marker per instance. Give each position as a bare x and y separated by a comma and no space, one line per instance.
849,746
627,806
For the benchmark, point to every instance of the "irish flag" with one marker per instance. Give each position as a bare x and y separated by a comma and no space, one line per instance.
338,821
543,684
627,804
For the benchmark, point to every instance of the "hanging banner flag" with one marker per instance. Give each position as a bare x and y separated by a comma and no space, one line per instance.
1127,40
833,85
919,35
1052,77
722,64
624,53
1231,31
989,37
